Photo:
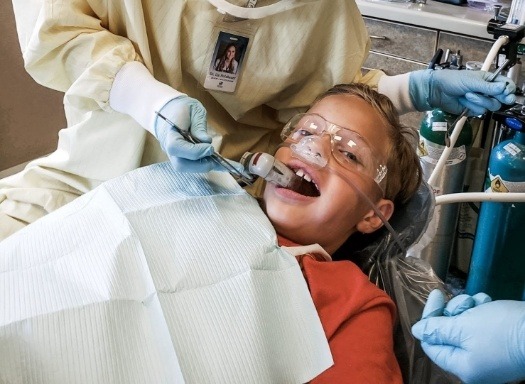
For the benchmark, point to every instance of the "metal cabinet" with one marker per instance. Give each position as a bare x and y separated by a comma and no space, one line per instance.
399,48
401,40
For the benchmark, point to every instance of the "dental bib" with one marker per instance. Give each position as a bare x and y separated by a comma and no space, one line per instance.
156,277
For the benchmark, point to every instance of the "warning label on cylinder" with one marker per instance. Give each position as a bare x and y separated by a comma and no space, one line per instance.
431,152
499,185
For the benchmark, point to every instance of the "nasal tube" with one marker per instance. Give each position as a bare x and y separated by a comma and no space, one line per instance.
268,167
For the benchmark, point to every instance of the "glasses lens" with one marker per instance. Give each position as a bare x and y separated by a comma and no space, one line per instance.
351,151
348,147
303,125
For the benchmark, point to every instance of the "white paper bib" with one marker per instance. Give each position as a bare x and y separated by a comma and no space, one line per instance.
156,277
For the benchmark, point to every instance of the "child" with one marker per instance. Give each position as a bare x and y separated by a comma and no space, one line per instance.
98,249
357,317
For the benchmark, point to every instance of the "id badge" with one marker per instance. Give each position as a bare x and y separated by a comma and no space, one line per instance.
226,64
227,52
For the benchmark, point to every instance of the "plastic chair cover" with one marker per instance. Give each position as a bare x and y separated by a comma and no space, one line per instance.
408,280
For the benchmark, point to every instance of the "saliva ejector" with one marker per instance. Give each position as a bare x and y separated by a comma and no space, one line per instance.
274,171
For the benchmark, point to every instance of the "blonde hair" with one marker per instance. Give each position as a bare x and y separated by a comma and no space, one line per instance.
404,169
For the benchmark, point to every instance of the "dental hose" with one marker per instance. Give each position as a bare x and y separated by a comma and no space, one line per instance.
458,126
466,197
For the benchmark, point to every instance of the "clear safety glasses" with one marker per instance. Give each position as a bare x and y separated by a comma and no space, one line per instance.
305,132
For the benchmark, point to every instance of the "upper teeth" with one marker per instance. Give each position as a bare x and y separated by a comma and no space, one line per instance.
305,176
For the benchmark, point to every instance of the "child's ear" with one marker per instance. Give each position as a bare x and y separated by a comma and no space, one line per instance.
371,222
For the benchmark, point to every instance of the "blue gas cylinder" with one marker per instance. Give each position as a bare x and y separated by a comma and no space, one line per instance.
497,265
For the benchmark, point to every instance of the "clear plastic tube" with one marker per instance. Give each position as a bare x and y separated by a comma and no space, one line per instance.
366,197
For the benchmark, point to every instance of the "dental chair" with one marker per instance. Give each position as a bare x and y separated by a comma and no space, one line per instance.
125,231
407,280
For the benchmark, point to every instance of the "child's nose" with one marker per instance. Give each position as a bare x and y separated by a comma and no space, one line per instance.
313,149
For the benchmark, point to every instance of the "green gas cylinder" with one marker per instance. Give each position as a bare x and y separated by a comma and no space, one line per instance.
432,137
434,127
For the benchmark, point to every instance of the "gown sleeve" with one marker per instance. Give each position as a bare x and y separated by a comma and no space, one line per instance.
67,46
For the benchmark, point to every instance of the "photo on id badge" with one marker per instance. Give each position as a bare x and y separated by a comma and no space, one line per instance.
226,63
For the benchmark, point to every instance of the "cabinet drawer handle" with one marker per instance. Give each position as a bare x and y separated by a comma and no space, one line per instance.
378,37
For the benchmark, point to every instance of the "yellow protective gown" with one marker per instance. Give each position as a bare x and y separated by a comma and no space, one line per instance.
78,46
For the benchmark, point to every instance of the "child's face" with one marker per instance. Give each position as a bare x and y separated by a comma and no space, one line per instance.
329,219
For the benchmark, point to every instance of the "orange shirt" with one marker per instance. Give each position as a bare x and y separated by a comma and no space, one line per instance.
358,320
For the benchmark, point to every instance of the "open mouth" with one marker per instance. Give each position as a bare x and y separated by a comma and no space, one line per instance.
304,185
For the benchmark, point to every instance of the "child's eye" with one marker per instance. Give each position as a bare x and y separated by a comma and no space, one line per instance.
303,132
300,134
350,156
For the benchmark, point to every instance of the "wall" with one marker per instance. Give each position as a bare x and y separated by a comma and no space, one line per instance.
30,115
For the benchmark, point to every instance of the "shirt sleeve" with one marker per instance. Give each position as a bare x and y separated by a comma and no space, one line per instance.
67,46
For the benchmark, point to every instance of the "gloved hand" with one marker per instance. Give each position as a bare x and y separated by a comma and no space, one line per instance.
138,94
187,114
453,90
459,304
481,342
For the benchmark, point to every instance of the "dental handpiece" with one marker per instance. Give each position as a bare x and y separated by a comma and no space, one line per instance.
274,171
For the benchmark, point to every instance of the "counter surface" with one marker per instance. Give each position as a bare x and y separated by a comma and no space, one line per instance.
445,17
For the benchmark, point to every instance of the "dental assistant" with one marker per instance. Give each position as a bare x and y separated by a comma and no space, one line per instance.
120,62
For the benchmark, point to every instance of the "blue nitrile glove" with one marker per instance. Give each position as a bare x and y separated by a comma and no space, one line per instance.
135,92
461,303
485,344
187,114
436,304
453,90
